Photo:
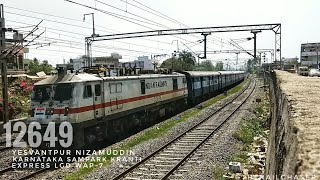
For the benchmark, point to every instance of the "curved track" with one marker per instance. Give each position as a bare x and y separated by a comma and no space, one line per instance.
164,162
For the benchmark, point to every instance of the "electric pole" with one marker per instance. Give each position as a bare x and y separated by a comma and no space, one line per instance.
205,44
4,79
88,41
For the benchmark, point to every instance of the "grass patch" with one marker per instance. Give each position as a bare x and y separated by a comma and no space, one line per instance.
218,173
151,134
249,129
240,157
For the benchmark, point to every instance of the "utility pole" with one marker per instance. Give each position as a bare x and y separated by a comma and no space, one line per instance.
205,44
5,104
88,41
255,42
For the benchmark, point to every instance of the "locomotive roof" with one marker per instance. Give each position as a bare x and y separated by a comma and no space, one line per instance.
231,72
68,78
142,76
81,77
202,73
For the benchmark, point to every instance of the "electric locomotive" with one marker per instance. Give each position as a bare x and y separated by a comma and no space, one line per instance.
105,108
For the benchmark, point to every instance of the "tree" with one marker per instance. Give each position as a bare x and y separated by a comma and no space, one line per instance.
252,65
219,66
205,66
35,67
187,57
35,60
185,62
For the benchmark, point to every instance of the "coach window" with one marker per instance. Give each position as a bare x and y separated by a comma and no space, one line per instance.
143,86
175,84
97,89
87,91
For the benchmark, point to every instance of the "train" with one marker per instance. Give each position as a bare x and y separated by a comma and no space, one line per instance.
105,108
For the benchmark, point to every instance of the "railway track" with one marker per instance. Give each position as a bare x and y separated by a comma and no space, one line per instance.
19,174
164,162
3,146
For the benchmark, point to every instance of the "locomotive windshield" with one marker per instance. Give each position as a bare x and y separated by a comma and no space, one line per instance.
41,93
63,92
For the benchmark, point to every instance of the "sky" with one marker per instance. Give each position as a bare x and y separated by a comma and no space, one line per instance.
64,30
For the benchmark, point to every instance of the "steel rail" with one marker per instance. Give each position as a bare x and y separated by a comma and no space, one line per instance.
178,137
28,176
204,140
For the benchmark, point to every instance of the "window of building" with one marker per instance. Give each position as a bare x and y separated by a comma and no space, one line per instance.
97,89
87,91
143,86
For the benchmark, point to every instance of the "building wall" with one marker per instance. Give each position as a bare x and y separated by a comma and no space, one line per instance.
310,54
143,63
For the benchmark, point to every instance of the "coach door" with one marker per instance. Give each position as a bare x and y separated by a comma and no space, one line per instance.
115,96
98,100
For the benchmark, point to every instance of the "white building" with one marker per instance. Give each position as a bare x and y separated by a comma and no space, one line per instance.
143,63
310,54
111,61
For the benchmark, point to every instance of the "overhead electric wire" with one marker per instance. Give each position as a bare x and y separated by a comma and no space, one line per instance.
59,22
98,43
101,47
103,11
171,19
157,24
72,24
84,35
71,19
78,42
125,18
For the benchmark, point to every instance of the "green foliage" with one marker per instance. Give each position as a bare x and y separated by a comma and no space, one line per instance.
35,67
253,126
252,65
218,173
240,157
205,66
219,66
184,62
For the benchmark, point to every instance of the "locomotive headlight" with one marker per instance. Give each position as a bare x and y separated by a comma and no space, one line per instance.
49,111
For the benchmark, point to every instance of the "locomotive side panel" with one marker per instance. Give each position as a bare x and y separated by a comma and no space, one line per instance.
137,94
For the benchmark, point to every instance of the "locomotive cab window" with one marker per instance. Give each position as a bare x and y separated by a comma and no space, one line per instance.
63,92
41,93
143,86
97,90
87,91
175,83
